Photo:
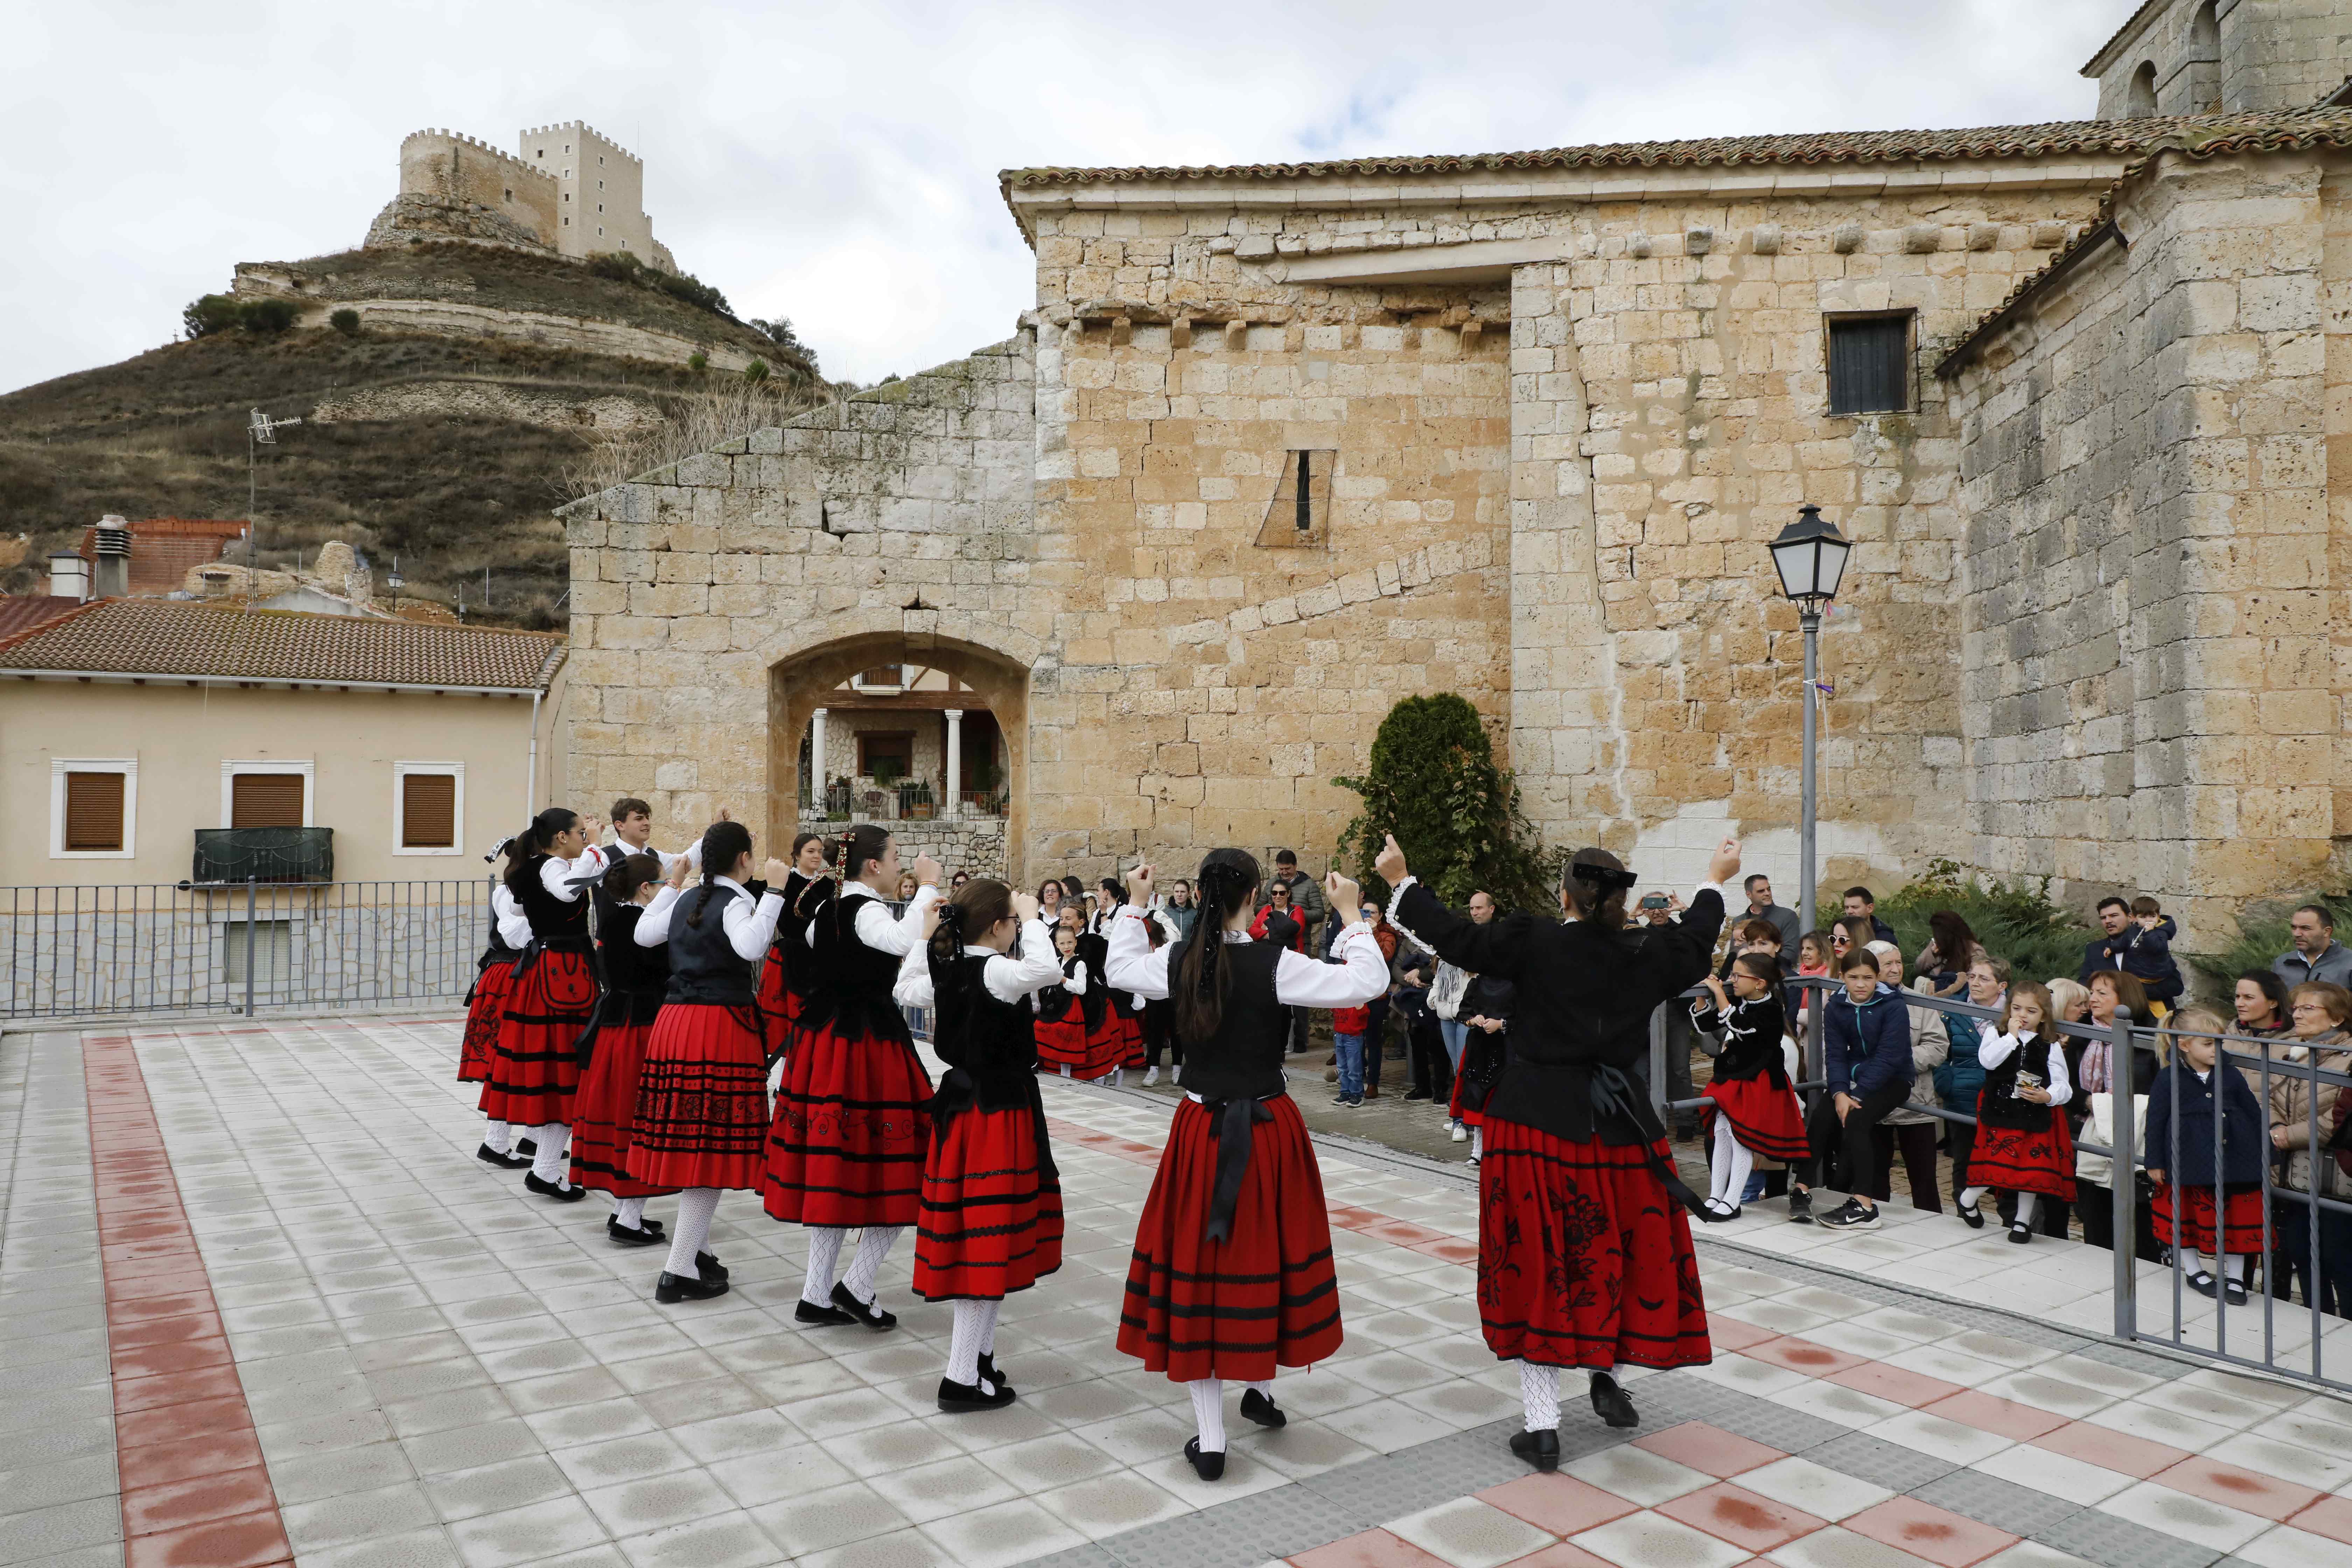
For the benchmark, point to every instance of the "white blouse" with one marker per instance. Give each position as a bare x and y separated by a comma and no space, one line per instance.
1008,979
1997,1050
750,927
514,926
1134,965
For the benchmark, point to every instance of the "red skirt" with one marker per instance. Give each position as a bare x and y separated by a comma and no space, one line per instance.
604,1111
991,1222
537,1066
1233,1308
1062,1043
1106,1050
778,1007
484,1012
2243,1224
2029,1159
1764,1117
851,1128
701,1115
1457,1112
1131,1031
1583,1261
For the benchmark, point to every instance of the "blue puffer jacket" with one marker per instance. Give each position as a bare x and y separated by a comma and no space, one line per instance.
1960,1075
1868,1046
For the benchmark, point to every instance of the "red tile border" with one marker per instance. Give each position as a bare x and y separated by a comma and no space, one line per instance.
2110,1449
2265,1497
194,1489
1926,1531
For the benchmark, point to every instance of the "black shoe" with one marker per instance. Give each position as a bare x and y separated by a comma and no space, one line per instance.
1541,1450
488,1155
988,1370
525,1147
816,1317
1208,1467
1257,1408
1971,1214
1610,1402
2235,1291
563,1194
674,1287
958,1398
1715,1211
2202,1283
1850,1216
644,1236
1800,1209
1417,1094
867,1312
709,1267
2020,1233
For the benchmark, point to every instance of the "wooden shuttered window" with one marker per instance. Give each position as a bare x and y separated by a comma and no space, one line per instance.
429,811
266,800
93,811
1870,364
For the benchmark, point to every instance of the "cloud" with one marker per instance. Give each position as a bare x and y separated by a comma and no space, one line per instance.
837,164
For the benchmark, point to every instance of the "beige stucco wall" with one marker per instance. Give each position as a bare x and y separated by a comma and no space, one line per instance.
179,737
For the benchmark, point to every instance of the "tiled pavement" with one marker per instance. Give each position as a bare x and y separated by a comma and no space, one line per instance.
438,1369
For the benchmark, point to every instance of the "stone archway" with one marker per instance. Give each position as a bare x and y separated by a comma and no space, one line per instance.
801,683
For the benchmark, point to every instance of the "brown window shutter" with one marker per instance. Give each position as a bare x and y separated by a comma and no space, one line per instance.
429,811
93,811
264,800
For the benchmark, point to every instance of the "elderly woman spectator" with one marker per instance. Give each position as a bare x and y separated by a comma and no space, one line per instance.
1909,1128
2317,1033
2111,989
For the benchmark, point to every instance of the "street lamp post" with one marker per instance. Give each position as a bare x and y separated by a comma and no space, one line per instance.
1811,556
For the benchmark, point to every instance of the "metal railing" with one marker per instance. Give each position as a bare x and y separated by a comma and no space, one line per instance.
2138,1060
238,948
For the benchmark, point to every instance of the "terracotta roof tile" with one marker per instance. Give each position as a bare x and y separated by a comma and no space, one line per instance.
2110,137
2211,136
162,636
23,612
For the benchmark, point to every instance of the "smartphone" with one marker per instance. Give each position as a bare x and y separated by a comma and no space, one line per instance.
1654,900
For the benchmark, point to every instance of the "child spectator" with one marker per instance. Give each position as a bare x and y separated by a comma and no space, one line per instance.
1752,1110
2147,953
1349,1027
2187,1097
2024,1144
1487,1008
1866,1057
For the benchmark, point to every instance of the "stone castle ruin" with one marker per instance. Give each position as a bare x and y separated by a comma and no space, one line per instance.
566,188
1278,445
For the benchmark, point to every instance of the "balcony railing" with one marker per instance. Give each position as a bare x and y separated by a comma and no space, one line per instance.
263,855
862,801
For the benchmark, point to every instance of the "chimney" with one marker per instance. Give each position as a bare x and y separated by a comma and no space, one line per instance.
110,574
68,577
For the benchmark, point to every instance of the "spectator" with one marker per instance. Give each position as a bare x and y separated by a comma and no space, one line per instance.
1377,1009
958,879
1180,908
1306,893
2149,953
1752,936
2260,1001
1410,973
1446,995
2110,989
1851,933
2141,947
2320,1013
1909,1127
2316,954
1760,907
2094,1174
1277,901
1814,957
1863,904
2104,950
1867,1052
2205,1208
1951,951
1487,1008
1657,909
2072,999
1962,1075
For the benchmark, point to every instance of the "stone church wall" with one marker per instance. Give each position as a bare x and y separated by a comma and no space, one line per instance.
2155,643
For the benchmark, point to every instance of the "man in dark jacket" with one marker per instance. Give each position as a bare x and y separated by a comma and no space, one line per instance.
1866,1059
1862,903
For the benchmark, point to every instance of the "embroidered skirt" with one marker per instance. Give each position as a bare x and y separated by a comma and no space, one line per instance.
2038,1159
1105,1049
1764,1117
846,1146
1265,1297
1583,1261
1062,1043
779,1006
484,1010
701,1113
991,1222
2242,1223
537,1064
605,1110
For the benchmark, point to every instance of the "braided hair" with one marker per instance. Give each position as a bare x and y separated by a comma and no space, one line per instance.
1227,880
534,840
723,844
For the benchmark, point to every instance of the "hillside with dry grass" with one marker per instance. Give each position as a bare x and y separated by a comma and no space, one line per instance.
163,433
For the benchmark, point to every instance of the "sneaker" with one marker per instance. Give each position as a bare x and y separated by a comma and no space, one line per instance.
1800,1207
1852,1216
1151,1077
1460,1134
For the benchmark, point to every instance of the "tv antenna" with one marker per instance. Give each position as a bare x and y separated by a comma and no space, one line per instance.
260,431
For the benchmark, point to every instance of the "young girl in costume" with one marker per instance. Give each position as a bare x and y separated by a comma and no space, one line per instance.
1061,1006
2022,1141
785,980
991,1209
1751,1109
636,979
486,1004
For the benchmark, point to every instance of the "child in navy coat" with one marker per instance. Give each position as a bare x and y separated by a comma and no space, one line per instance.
2180,1161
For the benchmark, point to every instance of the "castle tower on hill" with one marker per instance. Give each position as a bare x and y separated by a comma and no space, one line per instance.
567,188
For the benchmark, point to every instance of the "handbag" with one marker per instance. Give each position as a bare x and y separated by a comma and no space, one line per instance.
1445,991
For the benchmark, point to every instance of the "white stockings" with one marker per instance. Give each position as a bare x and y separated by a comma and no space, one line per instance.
695,1207
825,1258
552,1161
1539,1396
498,1137
630,1212
865,1267
973,1334
1209,1412
1731,1165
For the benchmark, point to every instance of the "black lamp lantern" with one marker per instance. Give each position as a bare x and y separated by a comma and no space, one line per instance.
1810,555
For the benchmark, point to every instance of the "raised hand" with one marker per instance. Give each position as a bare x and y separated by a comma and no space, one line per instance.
1343,894
1138,884
927,870
1726,864
676,875
1025,905
1389,863
773,873
724,815
930,920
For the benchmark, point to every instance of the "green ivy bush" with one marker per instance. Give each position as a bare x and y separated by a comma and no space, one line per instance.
346,321
1432,780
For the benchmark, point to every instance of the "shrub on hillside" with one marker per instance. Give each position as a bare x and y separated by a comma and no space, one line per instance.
209,314
266,315
697,362
1433,782
2015,921
623,266
756,371
346,321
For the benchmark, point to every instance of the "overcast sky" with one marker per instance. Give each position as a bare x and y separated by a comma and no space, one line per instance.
838,164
